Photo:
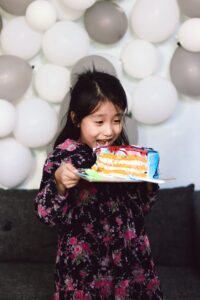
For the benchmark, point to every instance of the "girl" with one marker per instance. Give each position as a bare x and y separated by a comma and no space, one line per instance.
103,251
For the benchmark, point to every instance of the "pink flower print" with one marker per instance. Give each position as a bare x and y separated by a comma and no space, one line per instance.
70,286
86,248
56,297
118,221
153,284
83,274
120,292
48,166
65,209
146,241
89,228
129,234
79,295
68,145
105,286
116,258
77,250
42,211
73,240
107,239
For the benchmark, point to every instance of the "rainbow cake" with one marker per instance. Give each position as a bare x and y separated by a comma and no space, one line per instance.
127,162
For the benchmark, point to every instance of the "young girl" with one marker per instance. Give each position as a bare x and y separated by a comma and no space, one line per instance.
103,251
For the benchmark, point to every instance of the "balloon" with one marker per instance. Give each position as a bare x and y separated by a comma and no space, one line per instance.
65,13
15,7
41,15
0,23
62,118
15,77
190,42
105,22
139,58
7,117
78,4
154,100
154,20
16,162
190,8
61,43
36,123
132,130
91,62
17,38
115,61
52,82
185,71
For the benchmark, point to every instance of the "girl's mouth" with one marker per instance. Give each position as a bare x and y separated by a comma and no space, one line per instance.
103,142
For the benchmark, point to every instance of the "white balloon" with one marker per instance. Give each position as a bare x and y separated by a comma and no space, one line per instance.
65,13
7,118
139,58
41,15
36,123
65,43
155,20
78,4
52,82
18,39
16,162
188,35
154,100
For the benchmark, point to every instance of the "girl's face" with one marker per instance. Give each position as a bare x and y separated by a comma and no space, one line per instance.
103,126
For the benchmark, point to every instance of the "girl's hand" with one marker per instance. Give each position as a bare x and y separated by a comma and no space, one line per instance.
66,177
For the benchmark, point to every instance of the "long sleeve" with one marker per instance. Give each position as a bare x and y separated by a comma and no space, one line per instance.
51,207
147,193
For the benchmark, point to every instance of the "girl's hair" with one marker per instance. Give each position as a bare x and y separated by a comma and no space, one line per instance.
90,89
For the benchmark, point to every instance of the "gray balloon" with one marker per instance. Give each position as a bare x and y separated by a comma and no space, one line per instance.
105,22
190,8
15,7
92,62
15,77
185,71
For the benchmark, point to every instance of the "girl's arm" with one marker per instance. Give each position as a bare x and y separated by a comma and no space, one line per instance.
52,200
147,193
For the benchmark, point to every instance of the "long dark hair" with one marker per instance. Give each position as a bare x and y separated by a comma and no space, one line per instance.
91,88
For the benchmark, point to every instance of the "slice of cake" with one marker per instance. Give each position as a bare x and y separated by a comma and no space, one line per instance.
127,161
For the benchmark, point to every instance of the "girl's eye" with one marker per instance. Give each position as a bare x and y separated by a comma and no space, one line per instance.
99,122
117,121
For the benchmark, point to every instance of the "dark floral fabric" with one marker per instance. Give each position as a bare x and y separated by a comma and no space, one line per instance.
103,251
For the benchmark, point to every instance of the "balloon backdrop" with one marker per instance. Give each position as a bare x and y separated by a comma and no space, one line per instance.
154,100
139,58
91,62
7,117
16,162
52,82
0,22
65,13
78,4
61,43
190,8
190,42
185,71
15,7
105,22
41,15
36,123
155,20
15,77
17,38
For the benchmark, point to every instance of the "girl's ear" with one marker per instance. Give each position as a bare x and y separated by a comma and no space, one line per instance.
74,119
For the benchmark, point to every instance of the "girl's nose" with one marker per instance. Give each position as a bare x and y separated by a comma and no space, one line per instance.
108,130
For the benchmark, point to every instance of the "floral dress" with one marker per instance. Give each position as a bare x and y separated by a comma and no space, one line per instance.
103,251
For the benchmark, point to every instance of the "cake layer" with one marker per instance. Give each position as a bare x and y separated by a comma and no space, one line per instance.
127,161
